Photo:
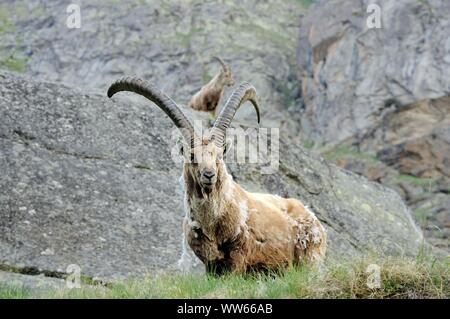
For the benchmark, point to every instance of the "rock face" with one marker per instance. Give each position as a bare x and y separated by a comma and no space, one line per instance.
351,74
91,181
383,92
170,43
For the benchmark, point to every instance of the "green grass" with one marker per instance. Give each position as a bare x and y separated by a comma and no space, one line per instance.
419,278
14,292
416,181
5,24
347,151
421,215
306,3
185,39
308,144
206,77
14,63
266,34
10,59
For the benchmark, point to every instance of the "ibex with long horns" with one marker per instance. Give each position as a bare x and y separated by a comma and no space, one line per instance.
209,96
228,228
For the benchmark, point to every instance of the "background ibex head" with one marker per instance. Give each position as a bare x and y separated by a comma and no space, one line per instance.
204,154
226,77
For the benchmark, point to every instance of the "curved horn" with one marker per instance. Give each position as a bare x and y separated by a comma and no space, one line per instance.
158,97
222,62
245,92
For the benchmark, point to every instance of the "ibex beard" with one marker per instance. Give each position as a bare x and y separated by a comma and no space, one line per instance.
228,228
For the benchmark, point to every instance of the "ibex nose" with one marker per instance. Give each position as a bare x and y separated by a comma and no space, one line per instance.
209,174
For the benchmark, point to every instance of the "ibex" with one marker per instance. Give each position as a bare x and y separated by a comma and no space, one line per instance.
209,96
228,228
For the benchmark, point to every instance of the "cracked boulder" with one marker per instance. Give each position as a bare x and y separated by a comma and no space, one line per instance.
91,181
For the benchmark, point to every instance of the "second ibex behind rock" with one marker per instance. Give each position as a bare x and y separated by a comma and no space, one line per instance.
208,98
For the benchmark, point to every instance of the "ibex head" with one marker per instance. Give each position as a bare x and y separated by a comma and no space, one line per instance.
203,154
225,75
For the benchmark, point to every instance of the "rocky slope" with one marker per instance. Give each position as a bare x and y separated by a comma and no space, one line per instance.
168,42
92,182
380,98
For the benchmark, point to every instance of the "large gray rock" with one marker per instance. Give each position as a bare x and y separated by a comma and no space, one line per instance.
91,181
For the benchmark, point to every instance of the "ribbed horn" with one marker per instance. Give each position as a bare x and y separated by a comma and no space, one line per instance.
158,97
222,62
245,92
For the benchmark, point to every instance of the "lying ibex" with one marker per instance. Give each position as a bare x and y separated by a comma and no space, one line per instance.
208,98
228,228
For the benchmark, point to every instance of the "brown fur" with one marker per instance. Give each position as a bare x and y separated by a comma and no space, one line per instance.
209,96
232,230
